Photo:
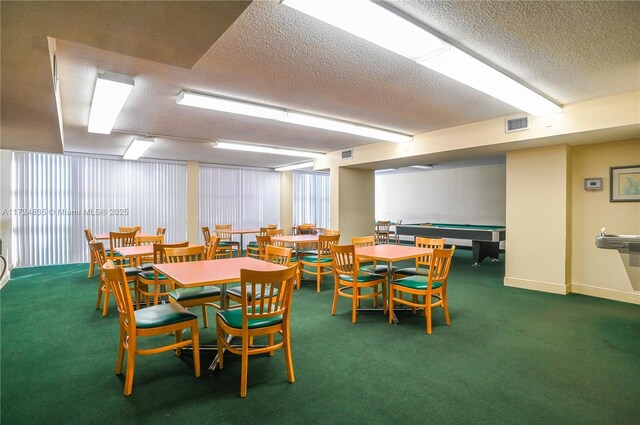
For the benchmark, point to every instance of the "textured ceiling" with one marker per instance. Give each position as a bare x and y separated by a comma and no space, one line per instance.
568,51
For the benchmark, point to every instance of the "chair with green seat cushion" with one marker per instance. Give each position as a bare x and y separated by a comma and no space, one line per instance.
421,267
256,249
148,286
367,264
265,314
150,321
192,297
223,232
320,264
120,240
350,282
272,254
131,273
426,292
92,261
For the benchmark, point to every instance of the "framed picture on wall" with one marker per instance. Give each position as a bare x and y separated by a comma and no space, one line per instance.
625,184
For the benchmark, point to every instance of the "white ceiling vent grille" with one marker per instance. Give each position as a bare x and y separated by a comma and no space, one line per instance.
348,154
517,124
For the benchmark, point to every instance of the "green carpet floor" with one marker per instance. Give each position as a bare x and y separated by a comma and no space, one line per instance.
510,356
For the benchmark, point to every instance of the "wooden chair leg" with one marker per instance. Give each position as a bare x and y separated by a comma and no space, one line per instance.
286,345
131,364
195,335
354,303
220,339
392,295
318,278
335,299
244,368
205,318
105,305
120,358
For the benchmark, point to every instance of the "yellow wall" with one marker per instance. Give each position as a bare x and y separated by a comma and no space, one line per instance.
595,271
353,202
537,219
193,207
286,202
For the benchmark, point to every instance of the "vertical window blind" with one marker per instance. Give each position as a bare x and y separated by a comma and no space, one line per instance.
246,199
312,199
55,197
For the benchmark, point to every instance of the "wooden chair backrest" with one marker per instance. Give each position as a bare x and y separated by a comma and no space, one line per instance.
125,229
305,229
88,235
212,250
159,255
271,226
160,231
383,226
98,252
440,265
359,241
262,242
222,231
190,253
278,255
206,234
432,243
344,259
330,232
150,239
116,278
324,244
121,239
271,294
275,232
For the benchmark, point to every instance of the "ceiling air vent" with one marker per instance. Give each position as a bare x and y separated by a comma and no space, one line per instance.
517,124
348,154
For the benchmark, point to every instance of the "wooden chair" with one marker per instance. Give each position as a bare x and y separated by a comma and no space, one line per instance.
304,229
160,231
350,280
319,264
150,321
206,234
146,262
92,261
261,242
394,233
150,282
125,229
330,232
367,264
119,240
98,252
197,296
222,231
422,263
272,254
433,286
382,232
253,249
265,315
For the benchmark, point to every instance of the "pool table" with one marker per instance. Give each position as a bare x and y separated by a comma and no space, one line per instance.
485,240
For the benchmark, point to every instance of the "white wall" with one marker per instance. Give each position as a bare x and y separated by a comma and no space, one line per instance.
468,195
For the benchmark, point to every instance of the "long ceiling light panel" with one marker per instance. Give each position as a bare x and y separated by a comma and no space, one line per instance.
378,25
138,147
109,96
225,144
236,106
295,166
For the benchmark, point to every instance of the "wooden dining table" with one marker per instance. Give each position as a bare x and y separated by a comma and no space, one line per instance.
213,272
242,232
390,253
297,241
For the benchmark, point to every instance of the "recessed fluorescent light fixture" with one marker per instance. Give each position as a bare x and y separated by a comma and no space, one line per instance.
222,144
386,170
345,127
241,107
374,23
137,147
423,167
109,96
295,166
229,105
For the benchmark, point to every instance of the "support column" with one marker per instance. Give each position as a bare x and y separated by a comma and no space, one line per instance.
193,205
352,202
286,202
538,220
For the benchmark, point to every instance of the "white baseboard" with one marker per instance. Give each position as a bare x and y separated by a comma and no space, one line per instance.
632,297
534,285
